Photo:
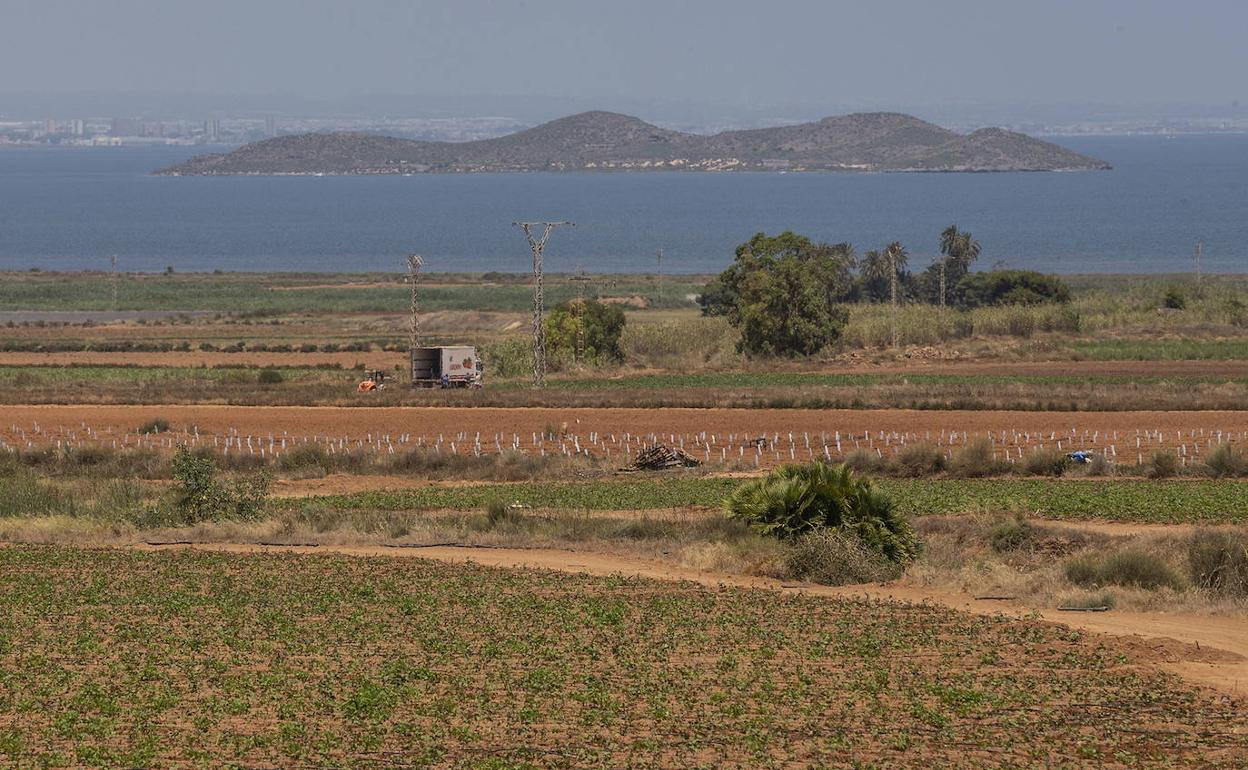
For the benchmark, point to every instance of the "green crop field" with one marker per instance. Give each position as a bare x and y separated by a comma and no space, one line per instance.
187,659
1202,500
49,375
296,293
1162,350
805,379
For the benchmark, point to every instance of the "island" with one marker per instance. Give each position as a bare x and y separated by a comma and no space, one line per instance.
608,141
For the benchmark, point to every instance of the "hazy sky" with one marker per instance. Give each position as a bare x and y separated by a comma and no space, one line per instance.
737,53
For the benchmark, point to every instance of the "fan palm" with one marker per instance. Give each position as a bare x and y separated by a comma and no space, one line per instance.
797,499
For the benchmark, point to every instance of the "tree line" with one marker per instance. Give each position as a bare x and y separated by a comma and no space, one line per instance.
786,293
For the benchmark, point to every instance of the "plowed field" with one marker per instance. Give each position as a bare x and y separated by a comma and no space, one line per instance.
764,436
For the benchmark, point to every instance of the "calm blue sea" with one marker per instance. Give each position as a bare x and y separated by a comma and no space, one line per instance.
72,208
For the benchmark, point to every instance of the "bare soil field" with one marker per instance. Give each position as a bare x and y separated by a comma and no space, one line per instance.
759,436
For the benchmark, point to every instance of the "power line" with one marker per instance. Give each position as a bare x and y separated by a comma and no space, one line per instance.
580,279
658,273
537,246
414,263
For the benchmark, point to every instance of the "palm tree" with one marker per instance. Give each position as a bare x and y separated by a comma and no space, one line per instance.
897,259
875,275
960,249
797,499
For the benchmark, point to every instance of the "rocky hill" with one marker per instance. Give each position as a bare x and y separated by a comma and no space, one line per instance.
595,141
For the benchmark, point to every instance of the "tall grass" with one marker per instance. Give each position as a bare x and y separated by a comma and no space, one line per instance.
871,326
680,343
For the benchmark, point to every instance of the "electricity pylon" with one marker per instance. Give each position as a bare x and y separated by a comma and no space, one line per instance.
537,245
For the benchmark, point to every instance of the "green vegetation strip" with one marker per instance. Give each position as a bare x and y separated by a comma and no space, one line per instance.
1162,350
241,293
116,658
26,375
799,379
1141,500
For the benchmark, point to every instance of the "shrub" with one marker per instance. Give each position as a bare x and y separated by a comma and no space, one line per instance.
865,461
1122,568
596,325
1098,466
796,499
157,425
920,460
1224,461
270,377
1010,287
498,513
306,456
1046,462
508,358
1218,561
977,460
1162,465
831,557
199,496
1173,299
1010,533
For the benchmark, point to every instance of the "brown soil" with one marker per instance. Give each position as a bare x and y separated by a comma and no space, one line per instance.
357,421
1207,650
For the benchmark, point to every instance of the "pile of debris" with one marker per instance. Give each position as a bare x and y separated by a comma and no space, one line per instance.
661,456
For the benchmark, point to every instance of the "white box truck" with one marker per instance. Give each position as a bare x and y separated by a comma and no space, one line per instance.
446,367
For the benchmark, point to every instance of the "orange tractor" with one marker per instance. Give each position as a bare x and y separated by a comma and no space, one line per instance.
374,380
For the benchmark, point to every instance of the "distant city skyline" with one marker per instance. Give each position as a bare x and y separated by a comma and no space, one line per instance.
956,62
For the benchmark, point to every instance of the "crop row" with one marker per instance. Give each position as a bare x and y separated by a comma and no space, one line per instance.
1118,500
129,659
799,379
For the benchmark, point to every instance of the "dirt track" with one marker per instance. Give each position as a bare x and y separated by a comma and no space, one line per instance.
1207,650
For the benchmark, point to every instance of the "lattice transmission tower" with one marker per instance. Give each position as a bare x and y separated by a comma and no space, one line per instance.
538,245
580,279
414,263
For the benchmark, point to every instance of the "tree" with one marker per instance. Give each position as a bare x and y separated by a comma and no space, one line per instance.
785,292
874,276
959,249
1010,287
717,299
591,328
897,258
830,264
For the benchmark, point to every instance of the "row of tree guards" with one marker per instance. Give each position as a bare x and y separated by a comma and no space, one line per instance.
758,447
